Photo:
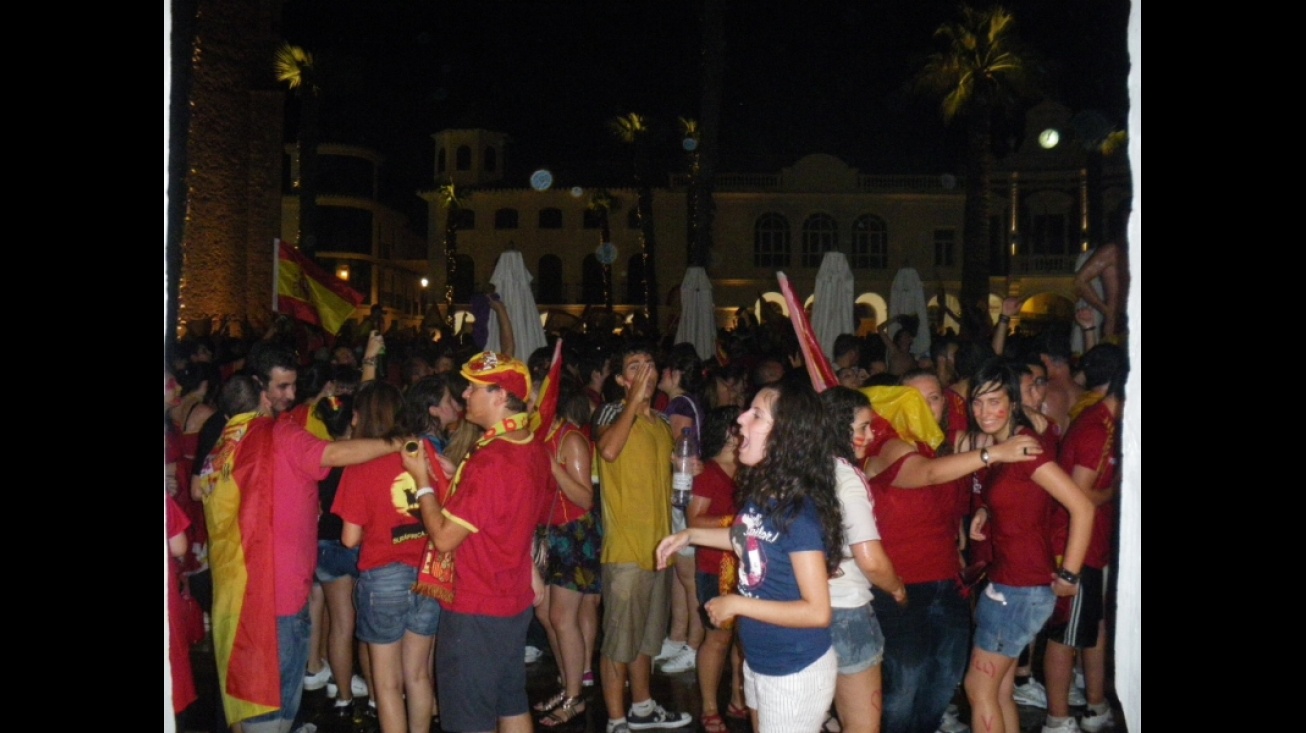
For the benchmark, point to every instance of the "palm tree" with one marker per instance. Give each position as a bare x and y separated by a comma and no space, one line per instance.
632,129
979,73
452,201
295,66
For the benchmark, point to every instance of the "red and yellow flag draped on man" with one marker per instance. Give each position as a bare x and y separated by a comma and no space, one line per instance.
237,488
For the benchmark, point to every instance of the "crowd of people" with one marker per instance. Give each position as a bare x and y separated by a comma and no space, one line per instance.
386,516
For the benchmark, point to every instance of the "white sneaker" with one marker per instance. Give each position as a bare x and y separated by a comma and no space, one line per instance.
1031,694
669,648
319,679
1067,726
357,685
951,722
685,659
533,654
1095,723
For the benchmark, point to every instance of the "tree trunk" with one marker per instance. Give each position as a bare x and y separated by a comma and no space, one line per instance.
976,264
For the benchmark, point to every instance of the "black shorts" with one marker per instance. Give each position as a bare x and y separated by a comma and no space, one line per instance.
479,664
1077,618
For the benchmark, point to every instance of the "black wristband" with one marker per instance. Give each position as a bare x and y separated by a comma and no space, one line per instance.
1068,576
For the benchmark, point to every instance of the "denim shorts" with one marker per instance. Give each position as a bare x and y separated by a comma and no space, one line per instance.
335,561
858,642
292,658
387,605
1007,618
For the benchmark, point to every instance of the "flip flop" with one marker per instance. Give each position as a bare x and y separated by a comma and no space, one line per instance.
738,712
564,713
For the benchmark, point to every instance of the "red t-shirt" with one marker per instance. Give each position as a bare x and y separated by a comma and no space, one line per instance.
956,415
500,497
381,497
1092,441
296,469
1020,520
918,527
719,489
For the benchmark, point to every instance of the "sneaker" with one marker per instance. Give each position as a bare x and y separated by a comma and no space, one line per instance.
587,679
1031,694
357,685
1066,726
533,654
669,648
659,718
682,661
343,709
951,722
1095,723
319,679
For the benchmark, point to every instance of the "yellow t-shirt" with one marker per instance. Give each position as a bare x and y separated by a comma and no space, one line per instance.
636,491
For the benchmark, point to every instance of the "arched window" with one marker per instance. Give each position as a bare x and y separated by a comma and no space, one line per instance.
505,219
820,235
550,218
870,245
591,283
771,241
441,161
549,281
463,158
491,159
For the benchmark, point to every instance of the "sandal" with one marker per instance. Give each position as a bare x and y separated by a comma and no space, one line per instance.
565,712
738,712
553,702
713,723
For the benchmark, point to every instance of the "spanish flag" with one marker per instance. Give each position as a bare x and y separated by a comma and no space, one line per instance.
310,293
237,489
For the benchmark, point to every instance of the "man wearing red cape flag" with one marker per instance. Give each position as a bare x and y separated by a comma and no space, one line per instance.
259,487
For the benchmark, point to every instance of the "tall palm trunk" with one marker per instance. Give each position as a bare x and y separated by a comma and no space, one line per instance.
976,258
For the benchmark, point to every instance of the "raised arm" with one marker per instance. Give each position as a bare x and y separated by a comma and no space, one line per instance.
507,344
375,343
918,472
1010,307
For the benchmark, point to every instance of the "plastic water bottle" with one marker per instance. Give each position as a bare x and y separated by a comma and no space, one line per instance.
682,476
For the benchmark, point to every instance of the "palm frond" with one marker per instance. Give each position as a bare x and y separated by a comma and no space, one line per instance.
293,65
628,128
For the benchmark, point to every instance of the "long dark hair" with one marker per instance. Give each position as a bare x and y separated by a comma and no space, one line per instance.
378,405
798,466
426,393
841,405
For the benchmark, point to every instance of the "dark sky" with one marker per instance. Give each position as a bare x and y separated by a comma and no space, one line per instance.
800,77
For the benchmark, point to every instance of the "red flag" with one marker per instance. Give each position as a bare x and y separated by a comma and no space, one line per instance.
818,367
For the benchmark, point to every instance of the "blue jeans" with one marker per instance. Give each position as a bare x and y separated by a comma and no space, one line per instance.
925,650
292,655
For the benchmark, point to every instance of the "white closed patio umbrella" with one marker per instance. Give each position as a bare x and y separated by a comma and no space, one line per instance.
907,297
832,312
512,282
697,313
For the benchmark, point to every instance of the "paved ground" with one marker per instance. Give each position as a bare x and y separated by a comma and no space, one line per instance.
679,692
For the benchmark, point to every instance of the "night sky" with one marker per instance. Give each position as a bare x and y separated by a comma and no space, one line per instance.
800,78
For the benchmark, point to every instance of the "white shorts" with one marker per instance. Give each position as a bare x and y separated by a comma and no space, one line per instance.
793,703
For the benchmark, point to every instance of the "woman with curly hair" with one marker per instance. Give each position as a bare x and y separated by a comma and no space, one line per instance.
789,538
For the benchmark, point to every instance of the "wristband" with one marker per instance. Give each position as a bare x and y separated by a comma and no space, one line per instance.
1090,328
1069,577
984,455
424,491
370,361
